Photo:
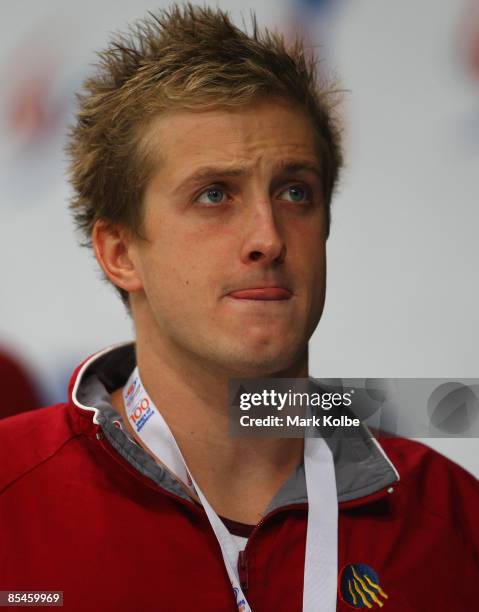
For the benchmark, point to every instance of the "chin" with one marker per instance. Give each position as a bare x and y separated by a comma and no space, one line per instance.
261,363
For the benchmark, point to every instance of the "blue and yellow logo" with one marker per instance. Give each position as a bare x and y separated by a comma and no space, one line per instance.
359,586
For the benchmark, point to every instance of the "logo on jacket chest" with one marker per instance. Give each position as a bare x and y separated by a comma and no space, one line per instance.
359,586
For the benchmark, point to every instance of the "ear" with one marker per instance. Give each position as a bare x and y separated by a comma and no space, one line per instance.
112,247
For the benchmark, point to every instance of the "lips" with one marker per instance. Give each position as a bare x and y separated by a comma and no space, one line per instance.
262,293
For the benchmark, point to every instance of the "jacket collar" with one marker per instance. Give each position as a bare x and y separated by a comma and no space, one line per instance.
362,467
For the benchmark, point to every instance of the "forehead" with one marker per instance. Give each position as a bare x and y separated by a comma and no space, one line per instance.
265,132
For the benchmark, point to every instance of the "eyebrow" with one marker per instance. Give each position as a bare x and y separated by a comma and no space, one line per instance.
298,166
219,172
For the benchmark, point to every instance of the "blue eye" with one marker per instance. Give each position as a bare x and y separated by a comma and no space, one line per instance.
296,193
214,195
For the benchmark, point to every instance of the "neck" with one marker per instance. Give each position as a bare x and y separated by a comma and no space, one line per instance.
193,400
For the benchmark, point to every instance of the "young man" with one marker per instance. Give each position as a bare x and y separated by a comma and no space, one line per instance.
203,162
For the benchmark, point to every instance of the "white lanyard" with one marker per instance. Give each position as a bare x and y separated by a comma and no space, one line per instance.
321,560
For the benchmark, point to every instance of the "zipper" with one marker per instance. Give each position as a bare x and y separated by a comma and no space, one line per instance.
243,574
243,570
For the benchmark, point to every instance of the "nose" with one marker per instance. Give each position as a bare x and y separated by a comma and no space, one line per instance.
263,242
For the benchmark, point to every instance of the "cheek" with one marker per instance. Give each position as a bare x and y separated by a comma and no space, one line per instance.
310,243
180,260
311,265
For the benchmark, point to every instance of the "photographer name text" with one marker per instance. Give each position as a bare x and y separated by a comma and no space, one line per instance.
325,420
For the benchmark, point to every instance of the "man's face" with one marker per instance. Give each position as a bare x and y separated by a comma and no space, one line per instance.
233,265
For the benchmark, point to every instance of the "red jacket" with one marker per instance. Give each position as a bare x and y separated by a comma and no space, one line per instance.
83,511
